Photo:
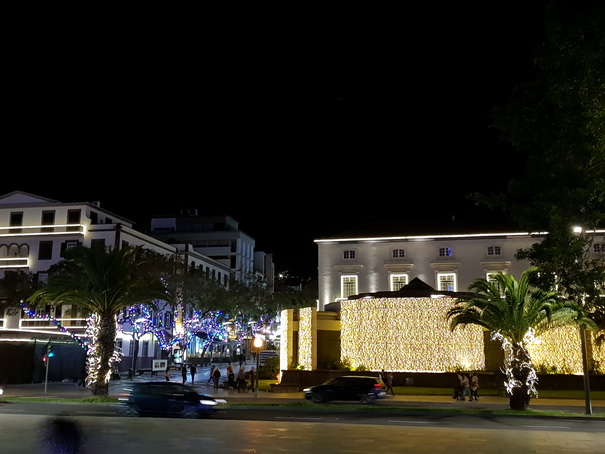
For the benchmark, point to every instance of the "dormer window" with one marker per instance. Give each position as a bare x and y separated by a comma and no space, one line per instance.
398,253
348,255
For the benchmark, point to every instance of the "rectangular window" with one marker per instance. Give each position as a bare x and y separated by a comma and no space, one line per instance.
347,255
45,250
48,218
73,217
398,253
145,348
598,248
16,219
493,250
445,252
446,282
398,281
348,286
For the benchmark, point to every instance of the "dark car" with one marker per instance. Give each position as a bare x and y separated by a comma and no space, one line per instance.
364,389
167,399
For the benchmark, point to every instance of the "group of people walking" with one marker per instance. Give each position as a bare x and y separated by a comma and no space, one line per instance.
239,382
468,385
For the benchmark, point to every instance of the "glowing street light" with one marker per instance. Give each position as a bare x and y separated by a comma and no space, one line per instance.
258,343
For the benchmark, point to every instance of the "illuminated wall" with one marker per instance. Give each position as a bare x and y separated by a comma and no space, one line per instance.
560,350
412,334
307,337
407,334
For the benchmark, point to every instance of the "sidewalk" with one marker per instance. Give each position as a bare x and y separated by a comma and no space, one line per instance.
71,390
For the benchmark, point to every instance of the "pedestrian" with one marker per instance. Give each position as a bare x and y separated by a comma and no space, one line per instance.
168,373
241,379
474,385
82,380
458,387
192,371
466,390
184,372
252,379
216,375
389,383
230,377
383,376
210,375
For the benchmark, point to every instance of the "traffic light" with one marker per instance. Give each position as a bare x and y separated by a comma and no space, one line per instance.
44,359
50,352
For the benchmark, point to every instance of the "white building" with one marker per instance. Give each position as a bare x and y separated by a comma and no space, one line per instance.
446,255
35,232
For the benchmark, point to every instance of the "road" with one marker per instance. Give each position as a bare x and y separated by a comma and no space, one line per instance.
25,434
294,431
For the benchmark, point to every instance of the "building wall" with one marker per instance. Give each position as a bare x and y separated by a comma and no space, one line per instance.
373,263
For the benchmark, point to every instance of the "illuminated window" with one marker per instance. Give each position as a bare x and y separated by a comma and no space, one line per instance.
347,255
398,281
446,282
445,252
493,250
348,286
398,253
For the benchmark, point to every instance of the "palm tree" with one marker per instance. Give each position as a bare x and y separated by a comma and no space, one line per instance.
514,313
103,282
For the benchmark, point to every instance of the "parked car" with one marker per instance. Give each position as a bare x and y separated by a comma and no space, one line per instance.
365,389
157,398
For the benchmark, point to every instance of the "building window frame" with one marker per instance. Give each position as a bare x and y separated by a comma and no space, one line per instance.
447,281
349,285
398,280
398,253
446,252
494,250
349,254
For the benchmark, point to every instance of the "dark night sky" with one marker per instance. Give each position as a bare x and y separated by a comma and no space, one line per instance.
297,125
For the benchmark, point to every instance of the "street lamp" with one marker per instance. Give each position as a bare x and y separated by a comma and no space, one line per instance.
258,343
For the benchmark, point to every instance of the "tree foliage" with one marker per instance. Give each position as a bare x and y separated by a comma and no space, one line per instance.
556,124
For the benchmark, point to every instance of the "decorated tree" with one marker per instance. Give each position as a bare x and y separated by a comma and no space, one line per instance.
102,282
515,313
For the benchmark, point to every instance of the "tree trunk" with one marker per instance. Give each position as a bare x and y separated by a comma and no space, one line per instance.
105,349
521,372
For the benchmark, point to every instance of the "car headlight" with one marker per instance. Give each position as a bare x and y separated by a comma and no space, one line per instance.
307,390
210,403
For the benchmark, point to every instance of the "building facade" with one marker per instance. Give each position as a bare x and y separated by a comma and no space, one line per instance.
219,238
35,233
362,317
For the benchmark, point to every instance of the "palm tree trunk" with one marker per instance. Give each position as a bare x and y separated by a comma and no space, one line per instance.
106,347
521,374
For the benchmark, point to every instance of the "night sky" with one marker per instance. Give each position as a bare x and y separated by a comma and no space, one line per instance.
300,124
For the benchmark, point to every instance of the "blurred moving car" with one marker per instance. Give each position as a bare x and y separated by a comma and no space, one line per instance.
365,389
156,398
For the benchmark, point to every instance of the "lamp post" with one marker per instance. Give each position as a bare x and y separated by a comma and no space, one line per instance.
258,343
